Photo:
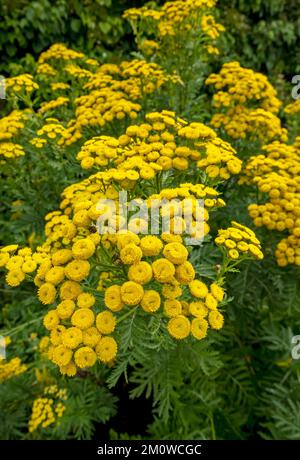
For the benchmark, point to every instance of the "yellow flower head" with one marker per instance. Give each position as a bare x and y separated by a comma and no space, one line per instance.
198,289
151,245
72,337
140,272
199,328
112,298
105,322
179,327
106,349
163,270
85,357
151,301
131,293
83,318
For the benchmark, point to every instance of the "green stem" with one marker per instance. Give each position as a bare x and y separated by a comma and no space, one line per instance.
130,312
213,431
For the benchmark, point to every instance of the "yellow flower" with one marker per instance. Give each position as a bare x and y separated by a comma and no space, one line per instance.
83,249
44,268
176,253
11,368
172,307
217,291
65,309
112,298
255,251
51,320
198,309
14,277
180,163
242,246
151,245
233,254
10,248
140,273
199,328
130,254
163,270
138,225
151,301
4,258
70,369
44,344
211,302
47,293
61,257
185,273
83,318
29,266
72,337
127,238
198,289
15,263
106,349
61,355
185,308
131,293
171,291
70,290
230,244
56,335
85,300
147,173
216,319
55,275
179,327
77,270
91,336
81,218
85,357
105,322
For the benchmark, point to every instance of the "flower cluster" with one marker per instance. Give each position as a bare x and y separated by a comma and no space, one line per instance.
238,85
21,84
239,242
101,96
247,102
276,174
10,150
11,368
51,131
12,124
10,128
18,263
75,269
48,408
59,52
51,105
293,107
46,69
240,123
164,142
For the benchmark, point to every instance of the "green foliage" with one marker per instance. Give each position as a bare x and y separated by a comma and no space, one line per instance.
263,34
88,404
28,27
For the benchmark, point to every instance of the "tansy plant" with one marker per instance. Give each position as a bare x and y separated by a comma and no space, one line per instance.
94,281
